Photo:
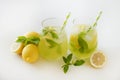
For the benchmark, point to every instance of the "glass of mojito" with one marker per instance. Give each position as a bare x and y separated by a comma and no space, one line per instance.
53,42
83,39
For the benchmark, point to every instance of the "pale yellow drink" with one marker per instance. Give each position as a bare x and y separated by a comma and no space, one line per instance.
83,42
53,47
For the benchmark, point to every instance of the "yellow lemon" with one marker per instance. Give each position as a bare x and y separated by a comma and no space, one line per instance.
32,34
98,59
17,47
30,53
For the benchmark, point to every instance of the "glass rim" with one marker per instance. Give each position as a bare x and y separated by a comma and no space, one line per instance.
54,20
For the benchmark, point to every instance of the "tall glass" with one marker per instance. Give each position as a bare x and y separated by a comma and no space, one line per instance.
83,40
53,42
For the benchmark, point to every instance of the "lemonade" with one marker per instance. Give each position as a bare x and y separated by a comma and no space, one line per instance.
53,42
82,41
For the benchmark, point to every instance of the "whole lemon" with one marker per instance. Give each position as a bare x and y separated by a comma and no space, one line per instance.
30,53
32,34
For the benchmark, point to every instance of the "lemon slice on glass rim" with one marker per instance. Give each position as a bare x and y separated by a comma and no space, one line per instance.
98,59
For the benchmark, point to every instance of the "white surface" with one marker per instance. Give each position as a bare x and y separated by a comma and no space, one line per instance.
19,17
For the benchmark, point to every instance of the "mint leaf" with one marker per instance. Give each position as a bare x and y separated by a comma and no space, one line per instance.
54,35
50,30
52,43
79,62
32,40
21,39
83,44
65,68
64,59
69,57
82,50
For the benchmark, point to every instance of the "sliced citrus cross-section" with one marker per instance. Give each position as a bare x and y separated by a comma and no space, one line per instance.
98,59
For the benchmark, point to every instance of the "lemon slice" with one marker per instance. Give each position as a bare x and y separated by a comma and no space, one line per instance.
17,47
74,40
32,34
98,59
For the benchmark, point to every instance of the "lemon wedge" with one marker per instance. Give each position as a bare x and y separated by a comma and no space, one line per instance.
17,47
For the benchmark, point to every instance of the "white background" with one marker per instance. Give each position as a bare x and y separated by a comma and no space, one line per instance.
20,16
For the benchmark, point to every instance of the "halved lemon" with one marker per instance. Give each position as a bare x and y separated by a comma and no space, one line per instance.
32,34
17,47
98,59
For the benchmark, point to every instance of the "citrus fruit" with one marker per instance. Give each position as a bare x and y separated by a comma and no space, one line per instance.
32,34
30,53
17,47
97,59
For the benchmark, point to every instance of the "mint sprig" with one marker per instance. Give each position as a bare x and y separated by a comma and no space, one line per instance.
68,61
50,30
30,40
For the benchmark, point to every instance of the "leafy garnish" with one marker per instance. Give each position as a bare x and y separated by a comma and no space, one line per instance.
68,61
65,22
69,58
65,68
21,39
65,59
83,44
54,34
50,30
30,40
51,42
79,62
95,23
